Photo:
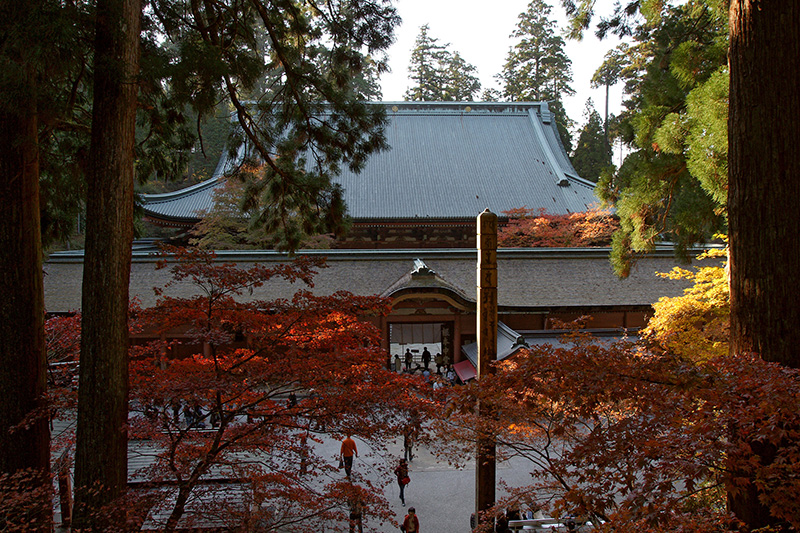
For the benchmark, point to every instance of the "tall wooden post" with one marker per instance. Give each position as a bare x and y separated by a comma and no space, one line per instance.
487,352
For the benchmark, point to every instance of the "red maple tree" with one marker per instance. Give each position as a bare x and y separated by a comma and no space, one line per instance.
639,438
220,426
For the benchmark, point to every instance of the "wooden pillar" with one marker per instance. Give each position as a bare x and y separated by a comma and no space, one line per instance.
485,466
456,338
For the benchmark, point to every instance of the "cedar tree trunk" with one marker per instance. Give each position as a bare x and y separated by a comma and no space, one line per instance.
101,454
764,195
23,364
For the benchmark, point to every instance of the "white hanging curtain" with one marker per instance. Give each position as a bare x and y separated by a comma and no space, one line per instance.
415,333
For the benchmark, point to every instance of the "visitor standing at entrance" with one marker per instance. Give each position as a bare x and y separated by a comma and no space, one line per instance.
439,360
347,452
426,357
409,360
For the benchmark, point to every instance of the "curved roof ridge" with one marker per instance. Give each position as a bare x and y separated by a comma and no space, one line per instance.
423,278
154,198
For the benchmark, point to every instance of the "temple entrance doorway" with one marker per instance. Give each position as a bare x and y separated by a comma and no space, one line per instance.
437,337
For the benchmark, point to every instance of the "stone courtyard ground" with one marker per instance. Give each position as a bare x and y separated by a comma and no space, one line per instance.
443,495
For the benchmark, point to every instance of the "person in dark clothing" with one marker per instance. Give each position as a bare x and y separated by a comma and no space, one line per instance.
402,479
188,415
199,416
501,524
409,360
408,442
176,412
426,357
355,515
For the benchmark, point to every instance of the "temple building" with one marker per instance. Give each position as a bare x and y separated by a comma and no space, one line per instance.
414,210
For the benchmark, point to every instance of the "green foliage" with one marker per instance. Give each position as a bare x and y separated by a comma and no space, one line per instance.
673,185
59,74
438,74
294,75
537,67
197,161
592,155
701,133
463,84
226,226
614,64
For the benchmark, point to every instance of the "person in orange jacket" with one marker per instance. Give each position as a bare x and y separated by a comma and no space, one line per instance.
347,452
411,522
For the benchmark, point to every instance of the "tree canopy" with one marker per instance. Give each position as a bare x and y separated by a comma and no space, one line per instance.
439,74
592,154
229,399
672,186
537,67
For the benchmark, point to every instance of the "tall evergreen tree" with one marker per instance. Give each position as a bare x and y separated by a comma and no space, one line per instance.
679,54
426,68
592,155
608,74
462,80
764,214
32,72
537,67
438,74
101,455
24,434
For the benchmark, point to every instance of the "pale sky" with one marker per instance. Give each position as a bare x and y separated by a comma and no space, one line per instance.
480,32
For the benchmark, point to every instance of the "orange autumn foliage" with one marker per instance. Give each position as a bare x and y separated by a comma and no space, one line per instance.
637,439
536,228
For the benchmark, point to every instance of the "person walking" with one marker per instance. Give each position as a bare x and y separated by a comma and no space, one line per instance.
347,452
401,471
408,442
411,522
355,515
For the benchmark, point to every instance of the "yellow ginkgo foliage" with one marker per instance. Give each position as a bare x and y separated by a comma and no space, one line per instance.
694,326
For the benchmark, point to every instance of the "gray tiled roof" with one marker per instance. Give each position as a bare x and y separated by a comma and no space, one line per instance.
447,160
527,279
187,203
